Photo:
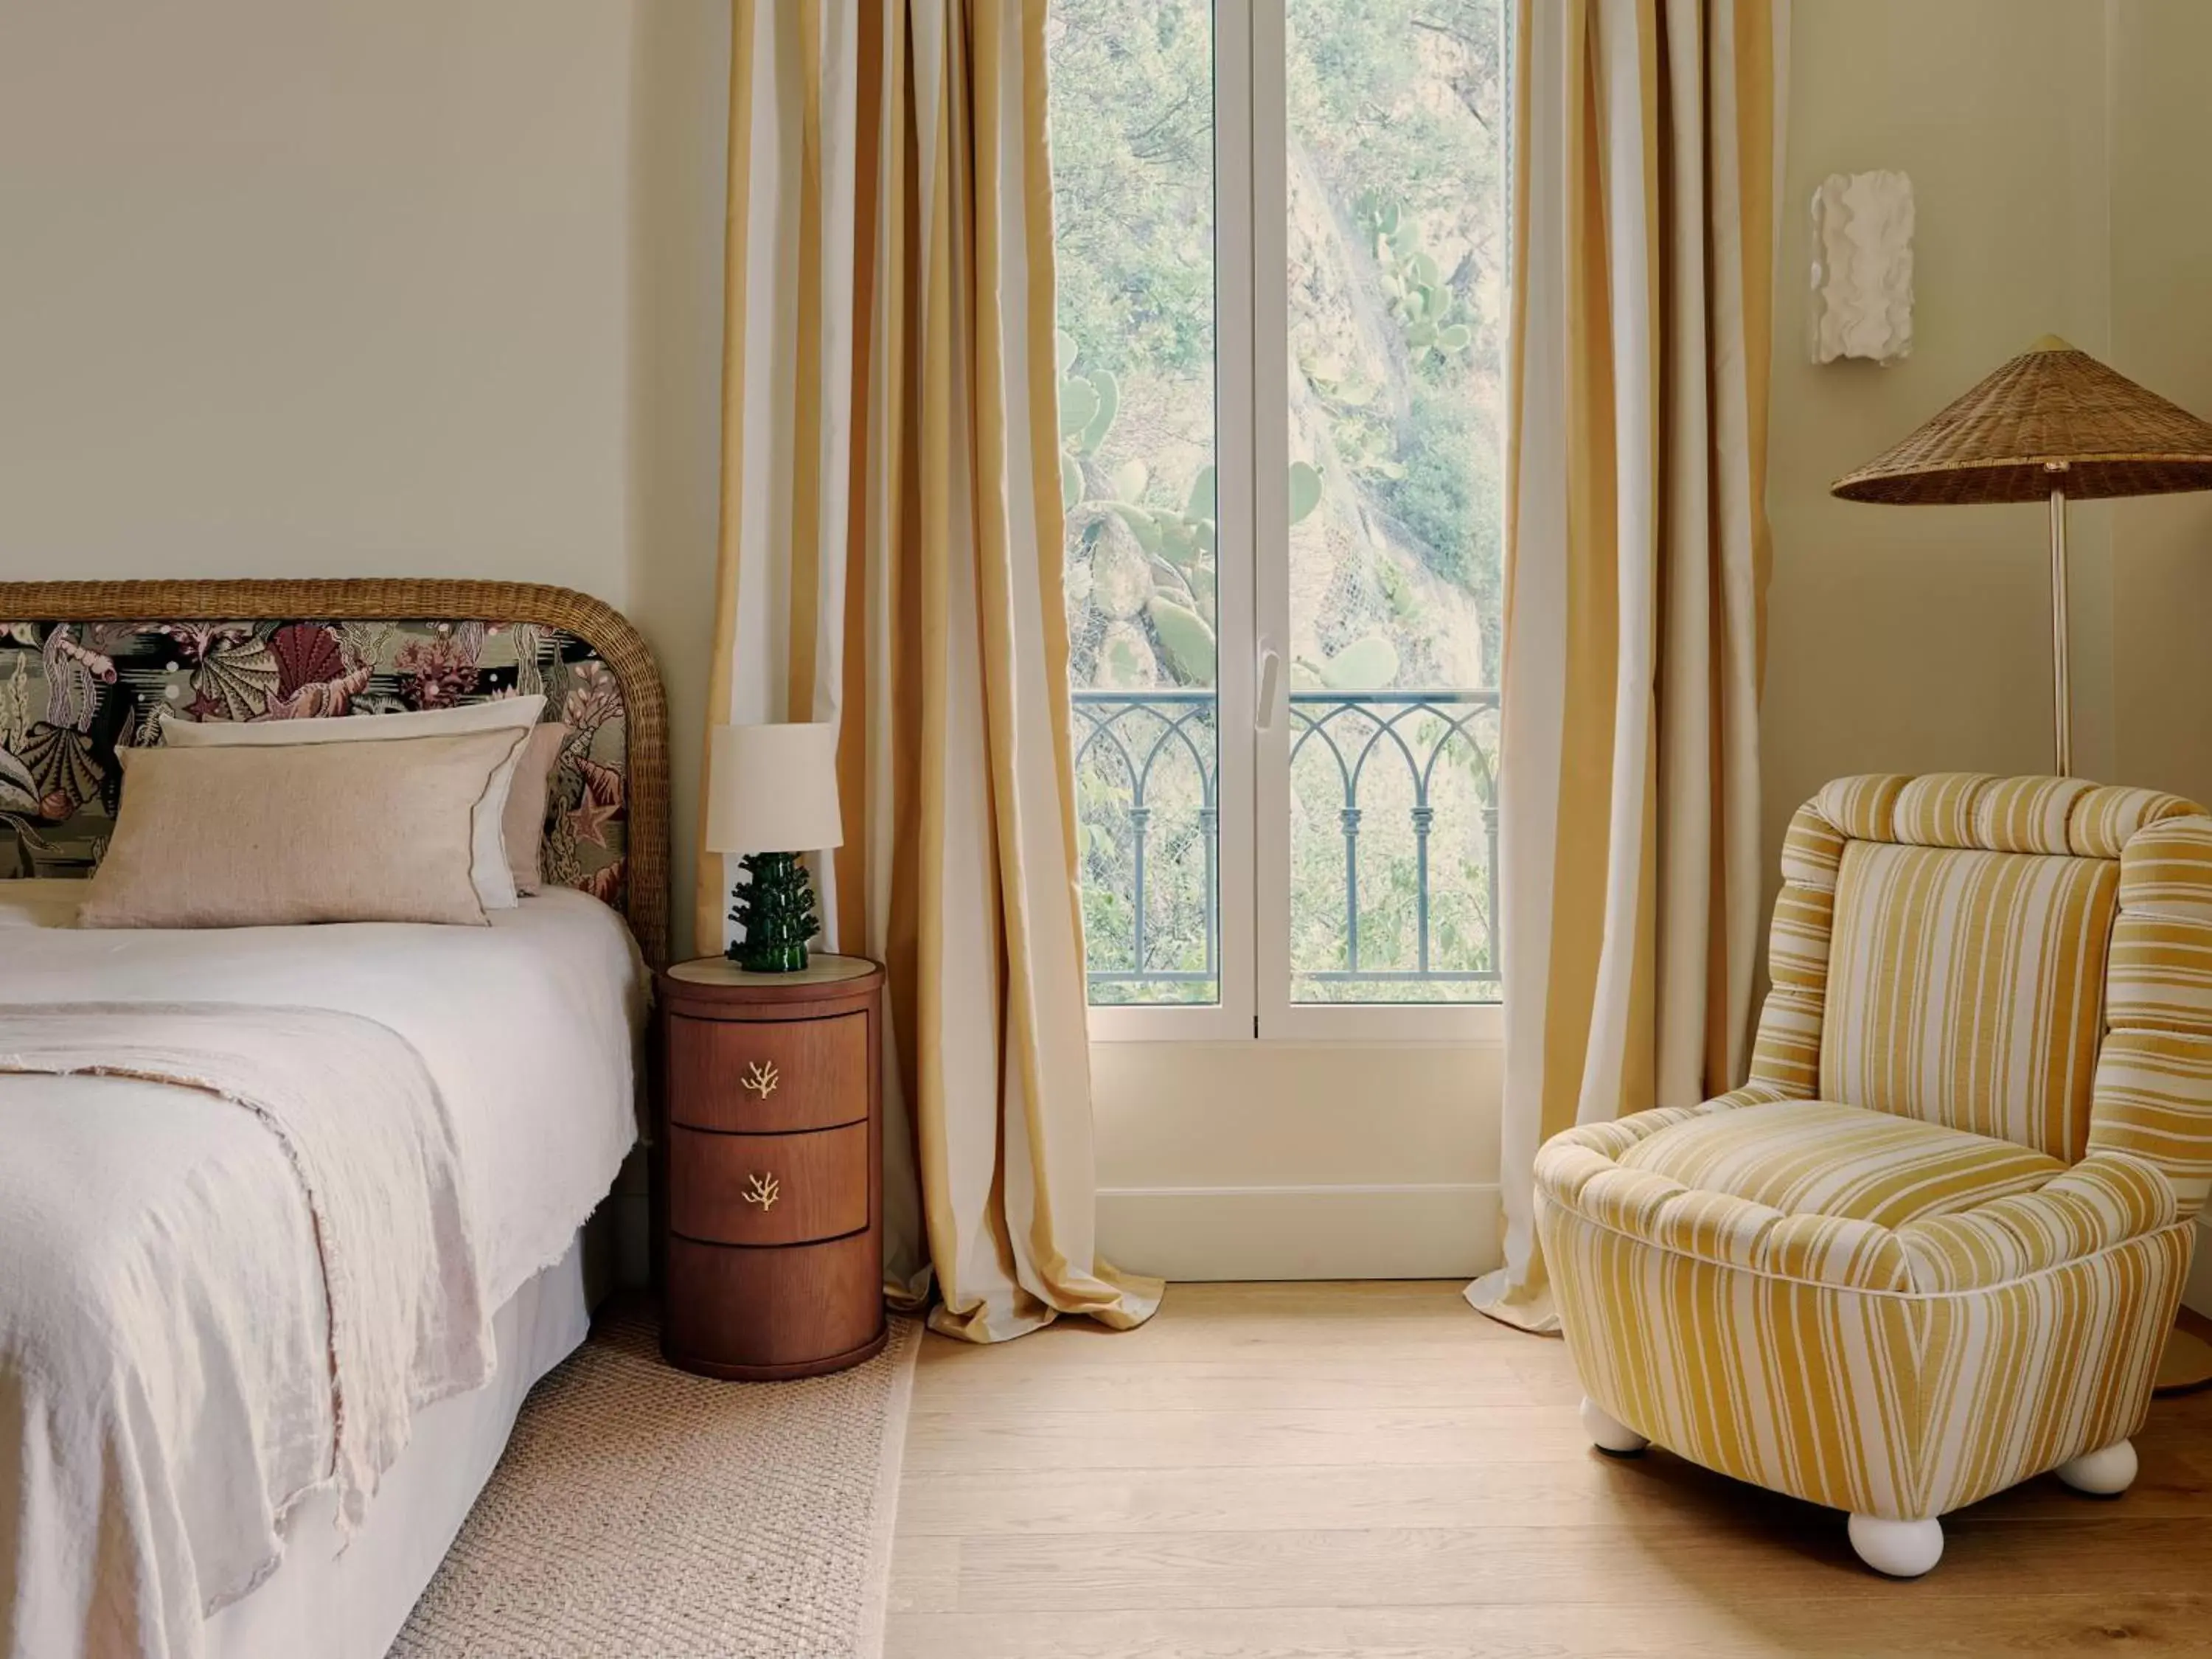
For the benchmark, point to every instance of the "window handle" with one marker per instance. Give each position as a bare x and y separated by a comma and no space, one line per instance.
1271,684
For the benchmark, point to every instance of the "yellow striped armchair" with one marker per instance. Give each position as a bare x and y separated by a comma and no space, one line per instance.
1933,1247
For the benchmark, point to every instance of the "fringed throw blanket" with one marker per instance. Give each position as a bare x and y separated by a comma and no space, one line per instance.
235,1260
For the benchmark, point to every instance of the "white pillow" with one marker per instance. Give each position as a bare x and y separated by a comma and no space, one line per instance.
488,868
527,800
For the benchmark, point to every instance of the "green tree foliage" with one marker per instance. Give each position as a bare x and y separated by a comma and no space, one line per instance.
1132,181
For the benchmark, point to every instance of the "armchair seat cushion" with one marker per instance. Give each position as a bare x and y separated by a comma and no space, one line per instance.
1826,1193
1821,1157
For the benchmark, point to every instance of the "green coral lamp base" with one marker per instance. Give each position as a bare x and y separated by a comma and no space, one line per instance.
776,908
769,958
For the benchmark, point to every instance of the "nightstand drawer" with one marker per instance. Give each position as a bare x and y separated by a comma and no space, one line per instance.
768,1190
762,1314
768,1074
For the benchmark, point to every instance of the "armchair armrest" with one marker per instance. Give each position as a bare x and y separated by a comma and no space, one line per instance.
1609,1140
2106,1199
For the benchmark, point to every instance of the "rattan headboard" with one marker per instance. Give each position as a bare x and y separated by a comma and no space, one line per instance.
88,666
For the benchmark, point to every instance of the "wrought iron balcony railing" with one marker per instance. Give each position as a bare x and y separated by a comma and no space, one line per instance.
1394,844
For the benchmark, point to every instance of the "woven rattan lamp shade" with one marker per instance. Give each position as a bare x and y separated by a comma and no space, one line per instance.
2051,416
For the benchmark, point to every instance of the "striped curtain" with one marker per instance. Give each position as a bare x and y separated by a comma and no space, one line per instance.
890,562
1636,571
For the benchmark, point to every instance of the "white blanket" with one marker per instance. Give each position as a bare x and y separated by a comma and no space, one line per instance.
530,1026
90,1364
174,1202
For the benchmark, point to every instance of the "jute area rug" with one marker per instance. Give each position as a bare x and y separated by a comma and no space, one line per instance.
645,1513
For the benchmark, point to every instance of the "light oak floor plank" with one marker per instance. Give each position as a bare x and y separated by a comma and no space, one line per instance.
1981,1627
1358,1471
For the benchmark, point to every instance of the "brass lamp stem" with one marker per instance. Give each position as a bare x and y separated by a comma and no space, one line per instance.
2063,706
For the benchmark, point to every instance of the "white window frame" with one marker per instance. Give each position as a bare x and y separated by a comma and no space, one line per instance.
1253,763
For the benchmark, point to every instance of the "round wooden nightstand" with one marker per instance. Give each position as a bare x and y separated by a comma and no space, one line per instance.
772,1130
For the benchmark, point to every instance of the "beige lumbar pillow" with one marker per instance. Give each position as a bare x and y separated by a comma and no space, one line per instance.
253,835
494,877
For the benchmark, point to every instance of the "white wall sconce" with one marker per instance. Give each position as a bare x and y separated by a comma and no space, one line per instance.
1862,289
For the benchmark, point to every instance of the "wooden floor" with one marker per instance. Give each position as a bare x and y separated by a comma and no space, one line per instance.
1295,1471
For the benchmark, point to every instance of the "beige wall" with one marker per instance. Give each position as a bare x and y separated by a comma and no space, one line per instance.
679,174
315,289
2162,335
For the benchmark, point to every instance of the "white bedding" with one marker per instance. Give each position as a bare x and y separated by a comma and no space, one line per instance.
331,1603
527,1028
160,1450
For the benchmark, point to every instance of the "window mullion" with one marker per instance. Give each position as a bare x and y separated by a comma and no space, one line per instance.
1236,542
1262,412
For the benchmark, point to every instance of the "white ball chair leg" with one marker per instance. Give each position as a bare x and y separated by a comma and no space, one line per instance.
2105,1473
1608,1433
1903,1549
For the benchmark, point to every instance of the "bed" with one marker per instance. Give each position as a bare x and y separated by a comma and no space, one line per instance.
128,1204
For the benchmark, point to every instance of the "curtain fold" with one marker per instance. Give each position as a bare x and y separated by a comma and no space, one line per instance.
1636,561
890,562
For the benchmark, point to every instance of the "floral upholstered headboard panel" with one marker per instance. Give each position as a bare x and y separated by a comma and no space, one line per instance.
88,667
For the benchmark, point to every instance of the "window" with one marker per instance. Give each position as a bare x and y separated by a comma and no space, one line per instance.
1283,246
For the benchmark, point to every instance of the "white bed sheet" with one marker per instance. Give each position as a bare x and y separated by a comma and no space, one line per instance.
530,1028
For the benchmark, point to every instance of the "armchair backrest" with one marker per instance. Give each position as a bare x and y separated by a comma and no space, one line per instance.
2026,959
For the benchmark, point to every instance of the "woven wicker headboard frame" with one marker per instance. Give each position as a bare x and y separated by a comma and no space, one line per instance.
87,666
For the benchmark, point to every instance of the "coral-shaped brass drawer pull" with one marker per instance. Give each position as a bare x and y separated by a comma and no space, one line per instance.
764,1190
761,1077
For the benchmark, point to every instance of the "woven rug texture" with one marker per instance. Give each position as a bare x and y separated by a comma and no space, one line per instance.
642,1512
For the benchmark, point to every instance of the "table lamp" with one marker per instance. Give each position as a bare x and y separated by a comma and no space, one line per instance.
2052,423
772,795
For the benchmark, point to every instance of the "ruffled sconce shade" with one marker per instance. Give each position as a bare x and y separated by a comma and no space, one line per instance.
1862,267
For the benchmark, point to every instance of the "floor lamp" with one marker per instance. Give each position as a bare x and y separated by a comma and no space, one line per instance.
2053,424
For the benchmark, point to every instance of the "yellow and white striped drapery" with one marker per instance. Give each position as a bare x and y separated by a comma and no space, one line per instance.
890,562
1637,555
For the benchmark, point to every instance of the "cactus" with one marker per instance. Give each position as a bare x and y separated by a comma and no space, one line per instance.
1368,663
1146,573
1125,658
1121,575
1088,405
1186,638
1420,299
1148,576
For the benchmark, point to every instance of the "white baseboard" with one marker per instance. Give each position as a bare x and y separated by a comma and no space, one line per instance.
2196,1295
1406,1231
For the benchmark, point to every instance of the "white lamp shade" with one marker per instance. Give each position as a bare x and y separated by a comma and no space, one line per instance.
774,789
